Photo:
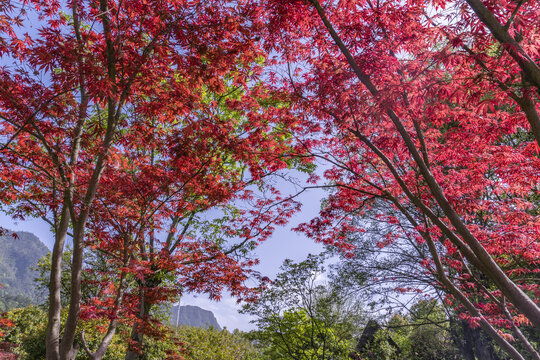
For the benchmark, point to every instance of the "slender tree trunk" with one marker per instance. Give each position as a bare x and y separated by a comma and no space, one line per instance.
483,348
463,342
469,340
476,344
55,301
530,69
67,349
137,335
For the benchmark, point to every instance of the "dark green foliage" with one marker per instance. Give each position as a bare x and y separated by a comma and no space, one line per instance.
18,256
423,334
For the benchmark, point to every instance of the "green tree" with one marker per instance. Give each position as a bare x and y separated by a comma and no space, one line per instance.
301,317
299,336
422,334
94,265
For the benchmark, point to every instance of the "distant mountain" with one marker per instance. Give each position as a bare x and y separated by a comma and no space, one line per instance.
17,256
193,316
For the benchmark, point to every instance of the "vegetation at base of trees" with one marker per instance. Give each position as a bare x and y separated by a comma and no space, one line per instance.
29,326
422,334
301,316
212,344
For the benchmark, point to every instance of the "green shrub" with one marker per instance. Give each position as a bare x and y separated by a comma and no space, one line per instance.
29,332
212,344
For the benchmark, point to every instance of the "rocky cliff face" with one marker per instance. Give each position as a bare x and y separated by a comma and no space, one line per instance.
193,316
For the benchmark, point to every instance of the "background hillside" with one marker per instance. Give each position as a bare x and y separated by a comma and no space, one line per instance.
18,255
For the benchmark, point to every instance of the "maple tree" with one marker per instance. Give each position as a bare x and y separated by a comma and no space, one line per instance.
149,217
413,105
84,104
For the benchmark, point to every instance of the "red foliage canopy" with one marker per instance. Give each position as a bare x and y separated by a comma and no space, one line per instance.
414,104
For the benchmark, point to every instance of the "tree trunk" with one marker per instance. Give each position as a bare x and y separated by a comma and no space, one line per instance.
52,343
67,349
483,347
474,250
135,347
468,342
478,346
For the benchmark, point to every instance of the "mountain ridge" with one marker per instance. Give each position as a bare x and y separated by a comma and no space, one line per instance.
192,315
